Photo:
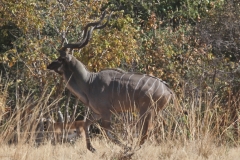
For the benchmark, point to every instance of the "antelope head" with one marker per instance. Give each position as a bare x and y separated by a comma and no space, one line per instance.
59,65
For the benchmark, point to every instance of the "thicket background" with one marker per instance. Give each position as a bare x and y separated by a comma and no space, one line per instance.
192,45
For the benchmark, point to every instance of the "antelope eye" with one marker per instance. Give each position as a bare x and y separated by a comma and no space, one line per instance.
60,60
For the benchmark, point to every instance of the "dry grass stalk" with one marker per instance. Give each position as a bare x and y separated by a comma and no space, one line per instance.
205,133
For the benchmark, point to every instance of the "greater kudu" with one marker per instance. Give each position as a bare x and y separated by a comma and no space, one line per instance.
110,90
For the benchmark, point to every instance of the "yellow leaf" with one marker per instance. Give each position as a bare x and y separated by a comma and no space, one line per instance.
10,64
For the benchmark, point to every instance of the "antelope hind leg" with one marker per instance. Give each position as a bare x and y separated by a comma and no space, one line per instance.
106,125
146,125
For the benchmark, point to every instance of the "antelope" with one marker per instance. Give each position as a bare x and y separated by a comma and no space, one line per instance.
110,90
65,131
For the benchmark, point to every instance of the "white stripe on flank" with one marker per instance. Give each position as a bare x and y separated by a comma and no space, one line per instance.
127,85
146,81
119,82
156,100
113,83
151,87
162,88
138,84
157,87
162,93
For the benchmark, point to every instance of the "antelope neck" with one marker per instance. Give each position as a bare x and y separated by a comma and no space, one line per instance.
77,75
81,70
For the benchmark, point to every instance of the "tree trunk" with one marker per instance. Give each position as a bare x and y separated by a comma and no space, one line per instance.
58,94
87,111
40,132
66,114
74,110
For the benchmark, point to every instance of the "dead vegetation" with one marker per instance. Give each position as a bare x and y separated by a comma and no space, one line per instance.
205,133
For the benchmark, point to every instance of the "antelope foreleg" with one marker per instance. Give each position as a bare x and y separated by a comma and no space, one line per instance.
86,131
90,120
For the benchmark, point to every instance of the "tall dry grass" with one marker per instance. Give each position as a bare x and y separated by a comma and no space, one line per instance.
199,150
207,132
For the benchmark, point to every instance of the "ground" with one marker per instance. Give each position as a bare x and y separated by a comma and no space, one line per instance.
196,150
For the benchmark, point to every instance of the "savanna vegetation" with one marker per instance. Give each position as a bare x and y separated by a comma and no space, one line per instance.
192,45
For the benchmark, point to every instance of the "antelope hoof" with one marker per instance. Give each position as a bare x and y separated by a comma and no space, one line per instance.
90,148
126,149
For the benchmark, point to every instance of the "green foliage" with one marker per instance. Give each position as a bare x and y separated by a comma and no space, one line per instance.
31,39
221,31
172,11
180,58
192,45
122,35
24,14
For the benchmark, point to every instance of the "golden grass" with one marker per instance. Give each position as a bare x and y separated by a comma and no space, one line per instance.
209,131
197,150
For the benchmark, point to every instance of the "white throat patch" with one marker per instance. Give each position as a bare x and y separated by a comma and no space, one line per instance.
60,68
69,57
